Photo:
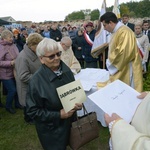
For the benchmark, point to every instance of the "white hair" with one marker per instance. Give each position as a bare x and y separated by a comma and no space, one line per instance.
6,33
46,44
66,39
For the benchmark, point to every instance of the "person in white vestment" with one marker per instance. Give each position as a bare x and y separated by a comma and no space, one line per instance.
133,136
67,55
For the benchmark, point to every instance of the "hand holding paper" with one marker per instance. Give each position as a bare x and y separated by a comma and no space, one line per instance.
113,117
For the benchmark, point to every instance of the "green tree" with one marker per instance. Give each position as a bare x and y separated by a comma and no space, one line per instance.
94,14
144,9
124,9
134,9
141,9
132,14
109,9
78,15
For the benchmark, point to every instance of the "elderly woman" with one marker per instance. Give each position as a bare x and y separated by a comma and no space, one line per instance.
143,44
42,101
26,65
8,54
68,56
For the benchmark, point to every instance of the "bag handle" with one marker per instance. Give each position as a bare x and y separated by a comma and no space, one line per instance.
85,112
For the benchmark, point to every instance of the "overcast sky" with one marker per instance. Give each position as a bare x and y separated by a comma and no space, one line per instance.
41,10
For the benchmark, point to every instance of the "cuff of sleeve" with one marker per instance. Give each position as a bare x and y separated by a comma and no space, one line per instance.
111,124
112,69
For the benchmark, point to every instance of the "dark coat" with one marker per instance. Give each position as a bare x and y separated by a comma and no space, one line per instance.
19,42
55,35
43,105
87,48
131,26
148,34
78,42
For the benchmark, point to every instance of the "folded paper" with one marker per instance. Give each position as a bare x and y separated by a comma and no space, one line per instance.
117,97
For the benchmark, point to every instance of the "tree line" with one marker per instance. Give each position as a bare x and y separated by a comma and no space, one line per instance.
133,9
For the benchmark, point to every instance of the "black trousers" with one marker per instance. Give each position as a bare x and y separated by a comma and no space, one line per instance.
92,64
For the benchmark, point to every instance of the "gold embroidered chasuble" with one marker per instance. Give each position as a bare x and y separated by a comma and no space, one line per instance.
124,55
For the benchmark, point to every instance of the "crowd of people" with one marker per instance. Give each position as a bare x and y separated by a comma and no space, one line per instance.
35,61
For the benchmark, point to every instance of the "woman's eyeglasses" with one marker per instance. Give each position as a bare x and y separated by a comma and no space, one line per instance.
51,57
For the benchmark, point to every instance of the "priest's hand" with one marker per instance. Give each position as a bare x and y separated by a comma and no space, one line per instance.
142,95
111,118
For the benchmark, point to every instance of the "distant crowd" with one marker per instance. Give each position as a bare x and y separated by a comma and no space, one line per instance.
57,30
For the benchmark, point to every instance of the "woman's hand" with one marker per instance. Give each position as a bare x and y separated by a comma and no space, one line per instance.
78,106
64,115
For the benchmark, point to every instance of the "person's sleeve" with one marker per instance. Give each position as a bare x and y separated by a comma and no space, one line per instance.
112,69
75,65
4,63
22,69
126,137
35,106
146,44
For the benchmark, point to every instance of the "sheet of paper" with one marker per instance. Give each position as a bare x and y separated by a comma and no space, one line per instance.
70,94
117,97
90,76
86,85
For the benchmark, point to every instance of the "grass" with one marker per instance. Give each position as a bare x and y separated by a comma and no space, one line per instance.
15,134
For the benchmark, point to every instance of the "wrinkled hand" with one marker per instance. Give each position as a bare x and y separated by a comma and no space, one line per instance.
143,95
111,118
64,115
78,106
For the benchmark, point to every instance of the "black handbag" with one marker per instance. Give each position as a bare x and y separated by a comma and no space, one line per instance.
84,130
